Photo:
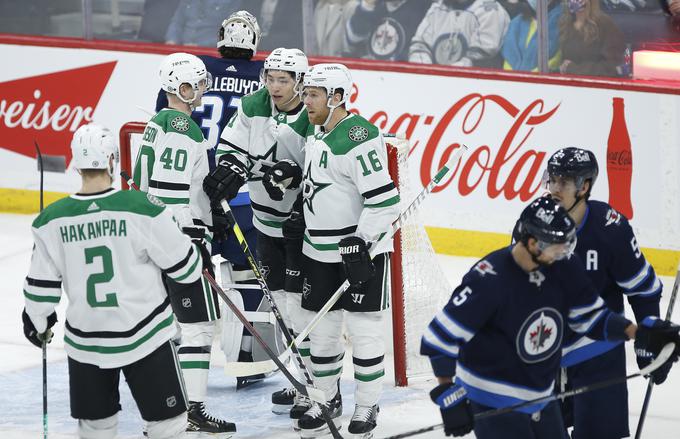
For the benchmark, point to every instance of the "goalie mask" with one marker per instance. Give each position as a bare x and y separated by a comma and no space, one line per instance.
184,68
92,147
241,31
332,77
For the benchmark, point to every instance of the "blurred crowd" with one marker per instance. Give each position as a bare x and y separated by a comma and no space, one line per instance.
586,37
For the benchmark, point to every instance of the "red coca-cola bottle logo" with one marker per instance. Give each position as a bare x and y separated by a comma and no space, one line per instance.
620,161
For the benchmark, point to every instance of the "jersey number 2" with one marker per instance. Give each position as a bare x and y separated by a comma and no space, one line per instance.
106,275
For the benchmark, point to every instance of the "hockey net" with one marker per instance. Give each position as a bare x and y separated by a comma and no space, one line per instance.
419,285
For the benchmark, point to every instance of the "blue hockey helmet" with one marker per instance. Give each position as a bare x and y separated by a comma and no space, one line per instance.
577,163
548,223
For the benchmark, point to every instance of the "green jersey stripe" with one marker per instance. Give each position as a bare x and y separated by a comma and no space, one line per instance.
35,298
123,348
191,269
168,200
320,247
194,364
389,202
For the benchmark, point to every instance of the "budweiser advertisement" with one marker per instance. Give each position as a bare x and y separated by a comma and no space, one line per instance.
511,128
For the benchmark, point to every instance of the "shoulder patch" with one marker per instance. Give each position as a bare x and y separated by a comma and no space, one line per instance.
612,217
180,123
357,133
484,267
154,200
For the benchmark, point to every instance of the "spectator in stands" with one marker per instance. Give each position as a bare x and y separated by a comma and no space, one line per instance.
195,21
281,23
513,7
461,33
520,46
156,19
382,29
330,20
590,41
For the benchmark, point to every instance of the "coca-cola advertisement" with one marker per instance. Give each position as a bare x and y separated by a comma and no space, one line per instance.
510,127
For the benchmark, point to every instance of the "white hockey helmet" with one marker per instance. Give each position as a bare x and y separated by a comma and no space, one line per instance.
92,147
240,30
183,68
332,77
287,60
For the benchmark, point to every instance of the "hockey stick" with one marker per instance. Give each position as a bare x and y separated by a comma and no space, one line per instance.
316,394
396,225
44,343
240,237
309,390
650,383
660,359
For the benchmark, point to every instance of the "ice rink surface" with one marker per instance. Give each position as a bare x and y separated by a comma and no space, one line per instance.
401,409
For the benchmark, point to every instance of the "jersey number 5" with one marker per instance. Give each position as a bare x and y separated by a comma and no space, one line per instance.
106,275
462,296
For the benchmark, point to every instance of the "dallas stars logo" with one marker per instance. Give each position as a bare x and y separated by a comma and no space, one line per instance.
310,188
261,163
540,335
180,123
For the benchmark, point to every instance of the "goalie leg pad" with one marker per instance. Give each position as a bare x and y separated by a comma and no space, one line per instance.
365,330
172,428
98,428
327,352
269,330
194,357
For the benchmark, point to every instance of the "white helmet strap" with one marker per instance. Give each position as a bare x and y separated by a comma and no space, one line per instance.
329,104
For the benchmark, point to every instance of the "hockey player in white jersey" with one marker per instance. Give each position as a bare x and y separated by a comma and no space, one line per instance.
109,249
171,165
461,33
268,130
349,203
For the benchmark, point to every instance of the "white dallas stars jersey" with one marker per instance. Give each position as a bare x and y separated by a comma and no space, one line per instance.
259,136
172,163
347,189
108,250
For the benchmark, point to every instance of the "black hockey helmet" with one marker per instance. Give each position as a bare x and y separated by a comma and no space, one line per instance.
547,222
577,163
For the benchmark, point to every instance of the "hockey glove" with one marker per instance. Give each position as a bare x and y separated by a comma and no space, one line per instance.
454,407
225,180
32,334
221,224
652,335
294,227
356,260
285,174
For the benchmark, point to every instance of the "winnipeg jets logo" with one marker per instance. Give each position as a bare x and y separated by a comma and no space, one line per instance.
536,277
540,335
612,217
557,157
388,39
180,123
483,267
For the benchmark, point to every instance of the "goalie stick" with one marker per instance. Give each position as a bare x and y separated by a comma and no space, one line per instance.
650,383
310,391
660,359
396,225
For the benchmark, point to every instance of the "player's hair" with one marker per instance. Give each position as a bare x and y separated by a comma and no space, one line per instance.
91,173
235,52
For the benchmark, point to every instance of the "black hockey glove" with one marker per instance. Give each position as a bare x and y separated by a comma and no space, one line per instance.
294,227
32,334
356,260
285,174
225,180
197,236
652,335
221,223
454,407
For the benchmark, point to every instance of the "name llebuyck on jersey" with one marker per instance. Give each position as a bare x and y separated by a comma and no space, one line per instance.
92,230
235,85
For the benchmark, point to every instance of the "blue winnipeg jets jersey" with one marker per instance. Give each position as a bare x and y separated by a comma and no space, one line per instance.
615,264
232,79
503,329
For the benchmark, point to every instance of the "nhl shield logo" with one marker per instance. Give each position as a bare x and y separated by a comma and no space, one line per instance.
540,335
171,401
357,133
186,302
180,123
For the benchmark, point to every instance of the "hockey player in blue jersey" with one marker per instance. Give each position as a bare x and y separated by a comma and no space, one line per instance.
502,332
235,74
615,264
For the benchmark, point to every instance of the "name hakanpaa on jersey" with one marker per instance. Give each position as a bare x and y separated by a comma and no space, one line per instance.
93,230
